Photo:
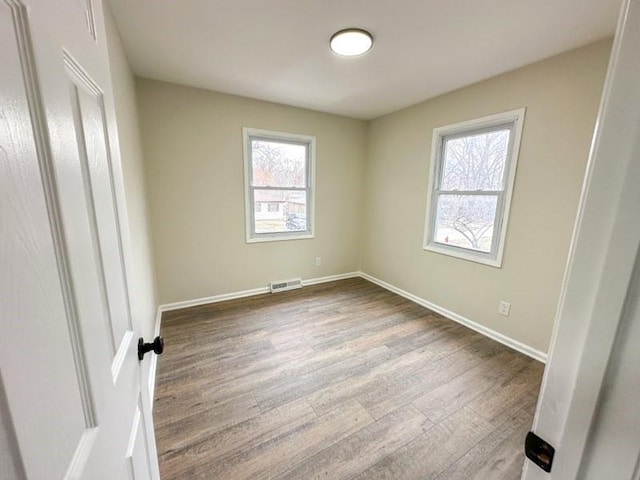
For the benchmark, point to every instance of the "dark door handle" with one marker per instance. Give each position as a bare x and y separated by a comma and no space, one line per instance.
157,346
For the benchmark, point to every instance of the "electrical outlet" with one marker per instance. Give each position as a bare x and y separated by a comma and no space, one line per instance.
318,261
504,308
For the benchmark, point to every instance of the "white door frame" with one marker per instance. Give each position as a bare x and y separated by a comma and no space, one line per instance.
601,261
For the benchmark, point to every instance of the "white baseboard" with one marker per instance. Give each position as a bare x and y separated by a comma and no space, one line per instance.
497,336
248,293
196,302
221,298
486,331
330,278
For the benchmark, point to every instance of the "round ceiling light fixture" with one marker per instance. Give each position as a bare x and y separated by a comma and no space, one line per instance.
351,42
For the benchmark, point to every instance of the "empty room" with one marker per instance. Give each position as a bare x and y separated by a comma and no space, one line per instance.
320,240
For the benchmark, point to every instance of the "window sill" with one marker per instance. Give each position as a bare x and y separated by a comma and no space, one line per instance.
279,237
464,255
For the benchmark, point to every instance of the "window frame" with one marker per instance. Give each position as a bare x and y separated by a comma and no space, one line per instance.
249,134
514,119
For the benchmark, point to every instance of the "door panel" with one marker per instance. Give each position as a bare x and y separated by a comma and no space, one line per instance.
138,462
86,6
33,285
88,113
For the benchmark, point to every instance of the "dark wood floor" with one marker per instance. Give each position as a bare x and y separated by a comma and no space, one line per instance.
342,380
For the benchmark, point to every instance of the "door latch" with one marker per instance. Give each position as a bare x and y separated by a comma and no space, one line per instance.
539,451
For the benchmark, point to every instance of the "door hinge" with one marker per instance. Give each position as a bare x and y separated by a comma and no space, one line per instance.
539,451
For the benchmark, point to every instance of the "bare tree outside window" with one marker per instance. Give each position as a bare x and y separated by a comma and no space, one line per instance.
471,180
279,167
473,168
279,185
278,164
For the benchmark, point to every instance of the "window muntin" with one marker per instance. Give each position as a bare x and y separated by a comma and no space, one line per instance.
466,221
473,168
279,185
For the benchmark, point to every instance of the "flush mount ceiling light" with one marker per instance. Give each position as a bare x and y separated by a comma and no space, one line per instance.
351,42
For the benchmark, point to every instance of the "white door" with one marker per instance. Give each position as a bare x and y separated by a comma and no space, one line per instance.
586,395
68,344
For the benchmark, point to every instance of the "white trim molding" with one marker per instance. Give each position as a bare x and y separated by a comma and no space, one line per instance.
330,278
309,143
497,336
245,293
153,366
512,121
221,298
486,331
213,299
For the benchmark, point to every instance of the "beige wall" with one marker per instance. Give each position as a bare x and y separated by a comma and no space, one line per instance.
193,151
371,193
561,95
140,270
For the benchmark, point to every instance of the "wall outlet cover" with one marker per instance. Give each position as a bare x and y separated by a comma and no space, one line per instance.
504,308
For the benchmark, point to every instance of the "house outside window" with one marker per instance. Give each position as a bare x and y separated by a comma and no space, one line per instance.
473,167
279,185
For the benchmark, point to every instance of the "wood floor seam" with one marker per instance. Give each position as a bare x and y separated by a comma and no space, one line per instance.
341,380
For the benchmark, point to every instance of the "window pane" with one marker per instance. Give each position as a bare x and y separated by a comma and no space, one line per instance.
277,164
475,162
285,211
466,221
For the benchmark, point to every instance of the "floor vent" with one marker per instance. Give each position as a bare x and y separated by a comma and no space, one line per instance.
285,285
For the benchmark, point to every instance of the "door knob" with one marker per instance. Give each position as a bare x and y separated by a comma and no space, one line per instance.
157,346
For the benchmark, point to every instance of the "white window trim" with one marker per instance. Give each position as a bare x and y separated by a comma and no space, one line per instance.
251,236
493,258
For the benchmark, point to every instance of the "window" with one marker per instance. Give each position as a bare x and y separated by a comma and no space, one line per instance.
279,172
473,166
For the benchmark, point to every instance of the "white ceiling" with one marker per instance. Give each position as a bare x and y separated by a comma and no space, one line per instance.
277,50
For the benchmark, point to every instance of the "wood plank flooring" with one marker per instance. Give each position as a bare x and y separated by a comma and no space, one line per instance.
342,380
